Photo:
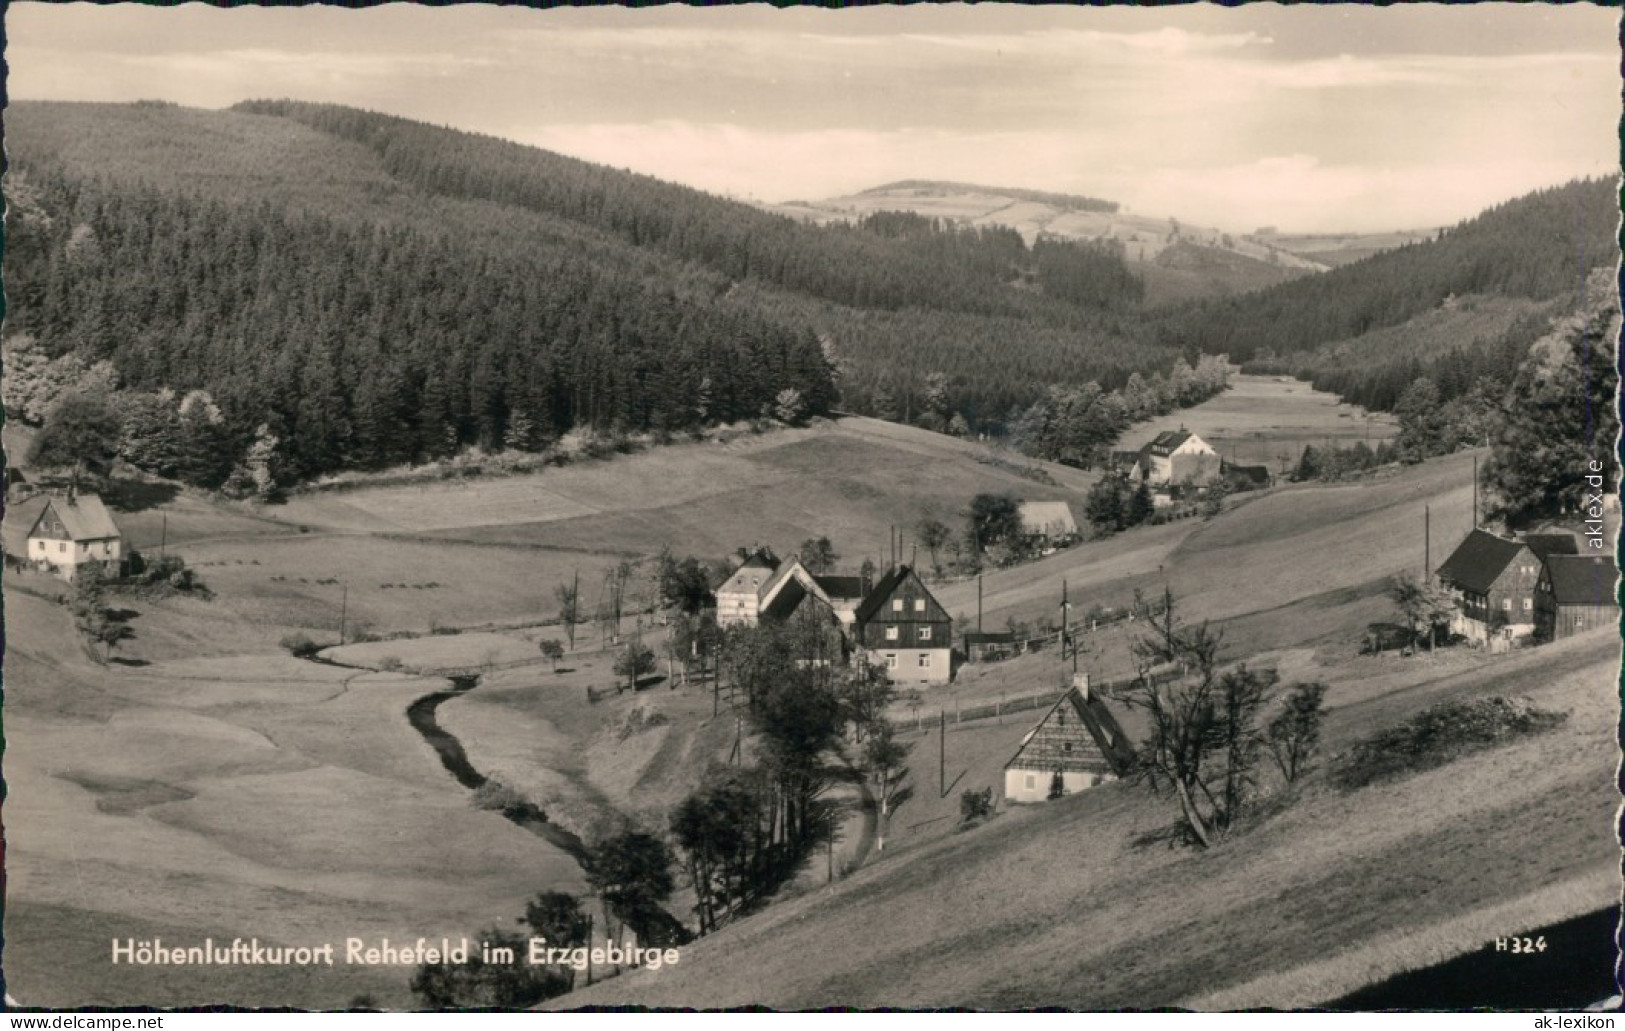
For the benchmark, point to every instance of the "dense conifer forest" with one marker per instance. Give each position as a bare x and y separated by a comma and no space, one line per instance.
355,290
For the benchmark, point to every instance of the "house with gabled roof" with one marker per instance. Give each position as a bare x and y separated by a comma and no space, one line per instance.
1493,579
1078,741
739,598
1179,456
903,628
1051,520
1575,593
841,594
74,531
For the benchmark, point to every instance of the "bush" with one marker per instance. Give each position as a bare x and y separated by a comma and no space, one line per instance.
301,646
497,797
975,805
1439,735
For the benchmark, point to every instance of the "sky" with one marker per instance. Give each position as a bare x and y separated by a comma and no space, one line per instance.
1310,118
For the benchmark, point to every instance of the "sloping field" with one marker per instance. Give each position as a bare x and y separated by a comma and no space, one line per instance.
849,480
232,797
1056,905
1260,418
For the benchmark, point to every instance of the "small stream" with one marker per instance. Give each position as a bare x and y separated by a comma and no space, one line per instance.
421,714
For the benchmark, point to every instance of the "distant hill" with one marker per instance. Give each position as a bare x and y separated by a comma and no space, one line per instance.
928,187
1539,247
1207,261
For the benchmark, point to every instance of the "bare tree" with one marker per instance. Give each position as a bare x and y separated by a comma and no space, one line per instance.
569,596
1203,743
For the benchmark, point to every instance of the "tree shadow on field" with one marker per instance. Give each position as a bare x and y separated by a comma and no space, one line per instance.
1170,835
138,495
119,660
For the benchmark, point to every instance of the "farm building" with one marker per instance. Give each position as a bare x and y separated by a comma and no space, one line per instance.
1250,477
1575,593
73,531
1051,520
1078,739
739,599
984,646
902,627
840,594
1493,579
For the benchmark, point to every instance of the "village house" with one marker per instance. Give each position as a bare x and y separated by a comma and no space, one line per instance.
1179,457
1052,521
793,581
1575,593
901,627
739,598
74,531
1493,579
1078,741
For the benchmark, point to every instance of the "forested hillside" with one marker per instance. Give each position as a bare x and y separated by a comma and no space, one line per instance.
1539,247
373,290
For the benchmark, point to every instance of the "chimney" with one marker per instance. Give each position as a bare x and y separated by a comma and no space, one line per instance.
71,492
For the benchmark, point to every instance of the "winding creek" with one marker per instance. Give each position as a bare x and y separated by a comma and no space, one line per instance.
421,714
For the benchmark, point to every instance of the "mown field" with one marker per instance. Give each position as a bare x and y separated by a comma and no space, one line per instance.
1267,420
249,796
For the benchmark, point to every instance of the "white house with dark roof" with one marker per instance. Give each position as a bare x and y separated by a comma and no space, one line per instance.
74,531
739,598
1078,741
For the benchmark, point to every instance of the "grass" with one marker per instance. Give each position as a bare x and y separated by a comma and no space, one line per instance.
1054,906
1261,418
231,796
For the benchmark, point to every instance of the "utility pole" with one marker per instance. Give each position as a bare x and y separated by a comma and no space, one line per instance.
978,602
163,537
1475,492
942,753
1427,543
344,609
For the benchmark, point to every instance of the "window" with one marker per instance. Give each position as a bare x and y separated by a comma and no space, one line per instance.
61,545
897,605
919,604
925,633
925,661
1506,604
891,633
1030,781
891,660
1528,603
1066,746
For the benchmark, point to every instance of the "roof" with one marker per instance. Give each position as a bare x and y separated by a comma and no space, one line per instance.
1478,561
882,590
1168,440
85,518
735,582
849,588
973,637
1547,544
1044,516
1101,724
1582,579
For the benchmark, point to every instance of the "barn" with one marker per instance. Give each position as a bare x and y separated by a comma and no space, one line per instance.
739,598
1078,740
1575,593
1051,520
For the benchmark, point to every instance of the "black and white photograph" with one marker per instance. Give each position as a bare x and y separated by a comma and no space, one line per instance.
974,506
